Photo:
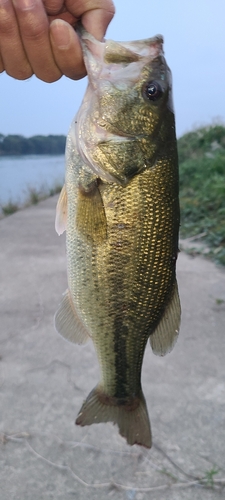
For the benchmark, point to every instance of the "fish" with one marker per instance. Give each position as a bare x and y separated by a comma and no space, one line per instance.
120,209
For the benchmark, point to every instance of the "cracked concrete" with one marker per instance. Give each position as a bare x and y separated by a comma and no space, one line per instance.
43,381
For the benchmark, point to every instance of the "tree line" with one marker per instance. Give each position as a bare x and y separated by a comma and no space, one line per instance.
36,145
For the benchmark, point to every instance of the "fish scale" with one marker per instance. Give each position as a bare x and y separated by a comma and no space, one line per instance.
120,210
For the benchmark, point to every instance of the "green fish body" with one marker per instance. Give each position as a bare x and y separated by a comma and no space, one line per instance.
120,209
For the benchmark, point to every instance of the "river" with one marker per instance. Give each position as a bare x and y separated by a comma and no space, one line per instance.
21,174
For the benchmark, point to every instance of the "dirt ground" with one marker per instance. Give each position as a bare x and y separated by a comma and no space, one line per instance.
44,380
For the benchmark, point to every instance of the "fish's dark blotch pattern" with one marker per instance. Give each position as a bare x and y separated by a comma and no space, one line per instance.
120,340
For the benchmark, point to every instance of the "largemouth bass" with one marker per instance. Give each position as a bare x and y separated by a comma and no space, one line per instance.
120,209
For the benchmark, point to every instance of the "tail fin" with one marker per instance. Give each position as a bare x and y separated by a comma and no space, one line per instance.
131,417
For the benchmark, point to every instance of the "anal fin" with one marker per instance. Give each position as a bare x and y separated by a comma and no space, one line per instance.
165,335
67,322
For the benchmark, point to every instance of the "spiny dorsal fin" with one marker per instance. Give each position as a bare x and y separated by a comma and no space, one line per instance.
165,335
68,323
90,216
61,212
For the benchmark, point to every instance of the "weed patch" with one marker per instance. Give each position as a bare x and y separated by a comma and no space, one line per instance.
202,187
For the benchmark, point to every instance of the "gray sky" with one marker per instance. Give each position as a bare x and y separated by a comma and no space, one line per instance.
194,36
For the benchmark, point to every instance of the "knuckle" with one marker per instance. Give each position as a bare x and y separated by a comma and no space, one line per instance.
54,7
35,30
7,27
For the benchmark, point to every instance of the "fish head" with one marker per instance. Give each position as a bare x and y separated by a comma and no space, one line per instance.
119,127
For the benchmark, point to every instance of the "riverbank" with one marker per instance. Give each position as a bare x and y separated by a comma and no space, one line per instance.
34,196
43,381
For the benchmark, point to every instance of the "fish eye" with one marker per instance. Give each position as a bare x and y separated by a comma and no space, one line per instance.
152,90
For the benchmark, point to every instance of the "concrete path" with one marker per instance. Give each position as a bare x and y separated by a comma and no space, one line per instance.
43,381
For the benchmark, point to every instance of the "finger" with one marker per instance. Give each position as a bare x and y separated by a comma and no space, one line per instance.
67,50
96,21
53,7
34,29
96,14
1,65
13,57
65,16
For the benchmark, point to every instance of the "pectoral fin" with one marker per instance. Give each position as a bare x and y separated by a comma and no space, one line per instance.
165,335
67,322
61,212
90,216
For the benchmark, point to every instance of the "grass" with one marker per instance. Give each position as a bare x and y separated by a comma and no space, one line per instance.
10,208
55,190
208,480
219,302
33,197
202,187
209,477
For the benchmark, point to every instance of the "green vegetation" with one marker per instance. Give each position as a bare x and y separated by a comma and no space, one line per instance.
202,187
36,145
33,197
209,477
10,208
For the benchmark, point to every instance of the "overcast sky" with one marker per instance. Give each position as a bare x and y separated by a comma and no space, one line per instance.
194,44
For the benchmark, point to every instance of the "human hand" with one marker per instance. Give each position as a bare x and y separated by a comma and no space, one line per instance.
39,38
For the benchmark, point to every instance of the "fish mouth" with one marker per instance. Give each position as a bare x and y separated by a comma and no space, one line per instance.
112,133
121,51
106,59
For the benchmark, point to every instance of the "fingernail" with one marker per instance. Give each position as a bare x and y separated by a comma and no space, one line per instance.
61,31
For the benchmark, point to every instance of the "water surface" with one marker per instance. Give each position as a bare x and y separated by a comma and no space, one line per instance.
20,174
